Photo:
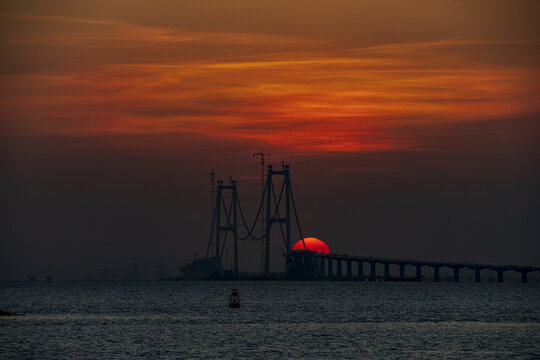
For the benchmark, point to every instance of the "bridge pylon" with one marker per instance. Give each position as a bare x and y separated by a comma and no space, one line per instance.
273,205
230,211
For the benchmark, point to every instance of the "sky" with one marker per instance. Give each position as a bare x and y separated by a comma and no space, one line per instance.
411,128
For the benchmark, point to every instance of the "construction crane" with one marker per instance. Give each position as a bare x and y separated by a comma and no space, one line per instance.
262,155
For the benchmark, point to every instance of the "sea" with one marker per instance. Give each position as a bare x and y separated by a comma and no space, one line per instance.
276,320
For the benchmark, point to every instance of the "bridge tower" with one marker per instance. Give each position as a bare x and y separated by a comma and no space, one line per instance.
273,205
231,224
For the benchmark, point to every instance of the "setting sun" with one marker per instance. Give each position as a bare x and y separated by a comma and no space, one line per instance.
312,244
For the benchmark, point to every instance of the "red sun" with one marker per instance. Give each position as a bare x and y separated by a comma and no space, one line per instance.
312,244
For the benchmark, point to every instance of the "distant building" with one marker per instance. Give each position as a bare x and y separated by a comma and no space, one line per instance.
202,269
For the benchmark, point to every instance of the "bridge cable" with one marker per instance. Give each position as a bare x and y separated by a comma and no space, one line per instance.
296,216
250,229
277,203
259,211
228,224
211,233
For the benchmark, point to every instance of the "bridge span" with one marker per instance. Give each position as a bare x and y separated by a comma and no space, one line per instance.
308,265
277,207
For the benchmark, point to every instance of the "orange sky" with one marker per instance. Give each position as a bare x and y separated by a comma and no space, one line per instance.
288,80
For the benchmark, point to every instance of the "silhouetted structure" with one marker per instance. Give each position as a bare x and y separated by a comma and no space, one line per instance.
304,264
203,269
231,225
279,207
234,299
313,266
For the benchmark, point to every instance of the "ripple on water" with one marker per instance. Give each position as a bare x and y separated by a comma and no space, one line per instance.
277,320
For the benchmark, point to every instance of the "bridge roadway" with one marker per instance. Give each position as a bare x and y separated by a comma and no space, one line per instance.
320,267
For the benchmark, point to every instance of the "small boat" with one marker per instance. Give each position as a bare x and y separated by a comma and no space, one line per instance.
234,299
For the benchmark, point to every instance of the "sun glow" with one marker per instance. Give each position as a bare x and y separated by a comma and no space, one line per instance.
312,244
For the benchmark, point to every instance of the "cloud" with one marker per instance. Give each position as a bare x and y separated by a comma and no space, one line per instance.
97,76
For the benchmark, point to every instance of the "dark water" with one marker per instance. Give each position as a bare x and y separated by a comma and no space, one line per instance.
310,320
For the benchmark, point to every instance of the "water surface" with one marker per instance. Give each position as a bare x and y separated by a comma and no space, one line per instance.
324,320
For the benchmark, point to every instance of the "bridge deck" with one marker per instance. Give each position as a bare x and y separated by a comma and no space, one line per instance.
369,259
310,265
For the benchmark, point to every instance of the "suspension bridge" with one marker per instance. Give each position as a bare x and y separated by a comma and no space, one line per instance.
278,208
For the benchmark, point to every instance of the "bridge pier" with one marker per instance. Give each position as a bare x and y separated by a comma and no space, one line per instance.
477,275
361,270
436,273
322,272
349,269
373,274
309,267
386,271
456,273
419,272
402,271
524,276
500,276
339,275
330,269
